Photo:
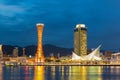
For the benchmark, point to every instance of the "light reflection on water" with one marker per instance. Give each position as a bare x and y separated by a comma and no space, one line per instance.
59,72
39,73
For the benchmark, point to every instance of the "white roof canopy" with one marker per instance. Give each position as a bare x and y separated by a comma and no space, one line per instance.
92,56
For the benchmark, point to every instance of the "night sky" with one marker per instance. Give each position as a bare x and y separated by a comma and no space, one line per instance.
18,20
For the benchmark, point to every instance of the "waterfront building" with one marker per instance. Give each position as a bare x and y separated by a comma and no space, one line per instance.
23,52
93,56
80,40
115,58
1,53
39,52
52,58
15,52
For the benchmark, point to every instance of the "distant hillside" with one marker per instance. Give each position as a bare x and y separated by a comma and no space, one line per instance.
31,50
8,50
48,49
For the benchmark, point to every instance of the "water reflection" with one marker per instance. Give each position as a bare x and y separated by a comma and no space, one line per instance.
77,73
73,73
85,73
28,72
59,73
17,73
81,72
1,71
94,72
111,73
39,73
51,72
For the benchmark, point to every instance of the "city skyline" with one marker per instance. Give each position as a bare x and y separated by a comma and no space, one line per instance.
18,21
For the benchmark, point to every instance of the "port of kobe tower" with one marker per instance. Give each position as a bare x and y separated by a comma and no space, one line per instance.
39,57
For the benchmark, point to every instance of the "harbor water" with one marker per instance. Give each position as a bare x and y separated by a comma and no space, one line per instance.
59,72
